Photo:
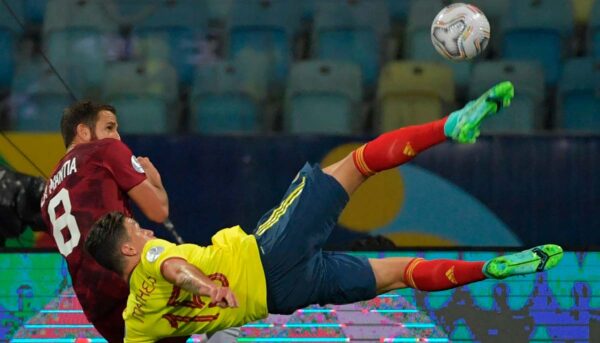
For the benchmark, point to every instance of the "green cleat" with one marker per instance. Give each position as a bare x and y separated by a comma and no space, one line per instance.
463,125
538,259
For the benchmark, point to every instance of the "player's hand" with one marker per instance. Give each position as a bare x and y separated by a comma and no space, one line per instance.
151,171
223,297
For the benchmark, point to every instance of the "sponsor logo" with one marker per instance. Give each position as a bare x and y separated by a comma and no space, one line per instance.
450,275
408,150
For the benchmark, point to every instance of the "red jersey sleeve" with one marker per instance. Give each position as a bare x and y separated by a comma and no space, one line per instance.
123,166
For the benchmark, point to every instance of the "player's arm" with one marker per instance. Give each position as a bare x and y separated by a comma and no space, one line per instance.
150,195
187,276
138,178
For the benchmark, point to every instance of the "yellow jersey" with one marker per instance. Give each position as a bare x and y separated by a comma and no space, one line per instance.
157,309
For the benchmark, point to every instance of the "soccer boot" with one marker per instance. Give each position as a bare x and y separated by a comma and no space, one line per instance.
463,125
538,259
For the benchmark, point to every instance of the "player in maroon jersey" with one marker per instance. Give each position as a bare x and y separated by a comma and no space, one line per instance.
98,174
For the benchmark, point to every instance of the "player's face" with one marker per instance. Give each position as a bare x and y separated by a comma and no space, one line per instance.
137,236
106,126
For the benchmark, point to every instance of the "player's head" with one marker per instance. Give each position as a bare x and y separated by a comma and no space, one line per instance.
85,121
116,240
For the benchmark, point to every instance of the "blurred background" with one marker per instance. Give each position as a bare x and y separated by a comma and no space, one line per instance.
229,98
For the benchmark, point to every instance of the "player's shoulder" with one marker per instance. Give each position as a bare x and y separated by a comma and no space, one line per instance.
110,143
155,248
110,148
99,147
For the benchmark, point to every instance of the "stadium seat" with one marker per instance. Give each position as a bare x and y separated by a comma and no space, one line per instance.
38,98
418,42
143,94
34,11
9,35
539,30
76,35
579,95
7,59
594,31
308,10
183,25
223,100
265,27
218,10
412,93
525,112
418,45
7,21
352,31
66,14
399,10
582,10
323,97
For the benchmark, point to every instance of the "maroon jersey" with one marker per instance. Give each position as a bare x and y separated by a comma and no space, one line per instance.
89,181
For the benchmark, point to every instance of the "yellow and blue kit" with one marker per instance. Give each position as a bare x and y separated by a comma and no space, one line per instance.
278,269
157,309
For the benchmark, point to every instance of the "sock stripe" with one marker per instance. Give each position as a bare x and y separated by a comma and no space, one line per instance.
409,271
359,162
358,154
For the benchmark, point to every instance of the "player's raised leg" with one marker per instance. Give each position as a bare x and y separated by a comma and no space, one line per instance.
442,274
397,147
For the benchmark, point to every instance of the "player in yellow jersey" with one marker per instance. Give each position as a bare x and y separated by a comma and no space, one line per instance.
178,290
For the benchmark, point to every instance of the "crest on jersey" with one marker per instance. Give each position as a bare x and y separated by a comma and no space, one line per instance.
136,165
153,253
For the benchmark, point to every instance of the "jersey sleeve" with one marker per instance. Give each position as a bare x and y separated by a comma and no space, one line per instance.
157,251
122,165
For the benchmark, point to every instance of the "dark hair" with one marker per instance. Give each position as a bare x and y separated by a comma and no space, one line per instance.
82,112
104,239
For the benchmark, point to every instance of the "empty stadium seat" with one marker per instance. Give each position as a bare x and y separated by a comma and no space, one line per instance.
144,95
352,31
539,30
418,41
582,10
412,92
526,110
76,36
594,31
10,31
223,100
323,97
265,27
579,95
7,20
183,25
38,98
418,45
219,9
399,10
7,58
34,11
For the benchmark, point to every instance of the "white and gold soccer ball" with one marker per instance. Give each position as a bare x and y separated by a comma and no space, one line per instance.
460,31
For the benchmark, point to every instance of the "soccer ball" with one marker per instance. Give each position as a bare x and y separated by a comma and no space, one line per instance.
460,32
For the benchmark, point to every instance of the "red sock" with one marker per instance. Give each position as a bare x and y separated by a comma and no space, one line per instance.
394,148
438,275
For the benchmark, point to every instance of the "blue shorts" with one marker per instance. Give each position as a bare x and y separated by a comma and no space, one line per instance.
290,238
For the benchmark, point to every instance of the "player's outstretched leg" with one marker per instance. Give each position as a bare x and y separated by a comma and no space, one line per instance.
397,147
441,274
538,259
